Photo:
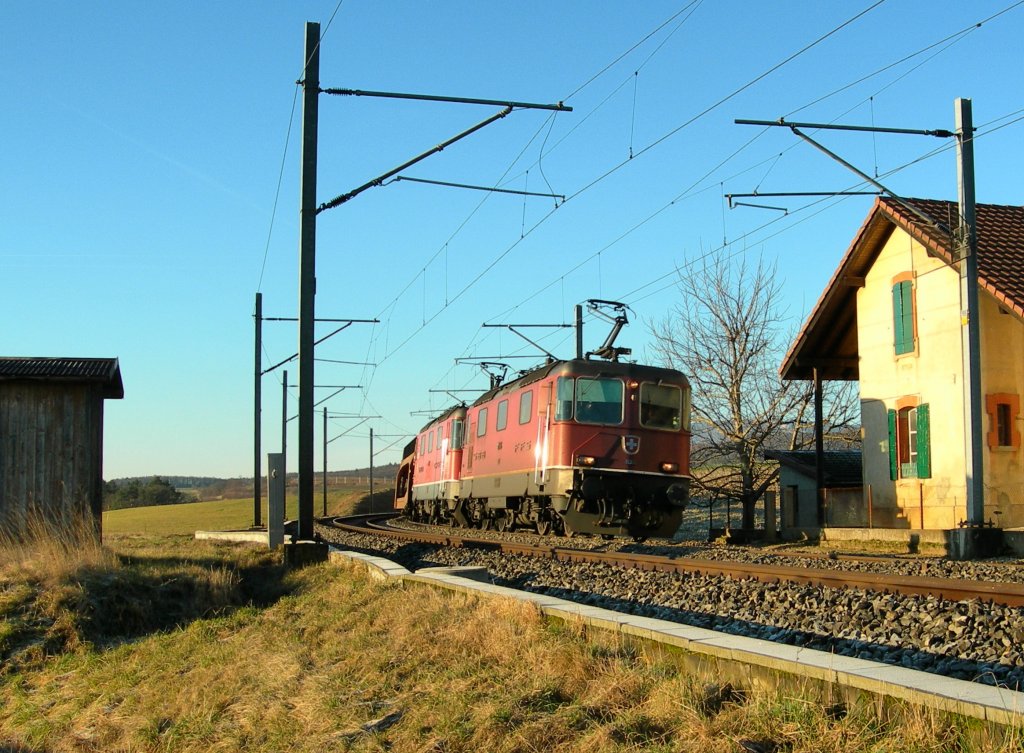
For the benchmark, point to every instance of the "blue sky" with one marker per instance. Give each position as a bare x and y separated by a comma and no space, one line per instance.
142,145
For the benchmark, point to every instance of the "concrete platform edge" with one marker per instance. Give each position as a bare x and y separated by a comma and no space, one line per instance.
982,702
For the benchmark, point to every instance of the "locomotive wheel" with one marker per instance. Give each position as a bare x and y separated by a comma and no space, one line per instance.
543,527
502,523
485,524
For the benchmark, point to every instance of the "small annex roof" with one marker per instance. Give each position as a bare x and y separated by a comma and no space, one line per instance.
828,339
106,371
842,467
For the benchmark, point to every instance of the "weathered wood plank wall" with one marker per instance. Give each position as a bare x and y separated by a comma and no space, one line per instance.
51,451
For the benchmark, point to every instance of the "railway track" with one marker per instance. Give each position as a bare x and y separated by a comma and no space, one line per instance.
950,589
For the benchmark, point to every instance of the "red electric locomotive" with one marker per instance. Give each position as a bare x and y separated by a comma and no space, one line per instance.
578,446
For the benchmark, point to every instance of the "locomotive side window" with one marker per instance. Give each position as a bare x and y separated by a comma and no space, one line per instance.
502,419
525,407
481,422
430,441
598,401
661,406
457,429
563,398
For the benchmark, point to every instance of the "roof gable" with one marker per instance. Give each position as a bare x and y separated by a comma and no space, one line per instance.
828,339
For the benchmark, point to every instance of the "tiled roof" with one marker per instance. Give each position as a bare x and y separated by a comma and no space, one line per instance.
842,467
104,370
1000,243
828,338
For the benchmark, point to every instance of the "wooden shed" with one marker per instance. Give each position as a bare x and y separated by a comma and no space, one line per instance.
51,437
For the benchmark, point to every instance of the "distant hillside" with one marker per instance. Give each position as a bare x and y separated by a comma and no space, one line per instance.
210,488
178,482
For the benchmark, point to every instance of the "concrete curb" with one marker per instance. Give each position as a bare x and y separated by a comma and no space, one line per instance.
245,537
775,661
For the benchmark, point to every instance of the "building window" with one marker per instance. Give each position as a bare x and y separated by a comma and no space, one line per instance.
910,442
502,420
906,441
525,407
1003,409
481,422
903,316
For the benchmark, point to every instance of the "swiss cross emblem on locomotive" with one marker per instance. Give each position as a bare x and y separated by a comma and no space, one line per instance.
631,444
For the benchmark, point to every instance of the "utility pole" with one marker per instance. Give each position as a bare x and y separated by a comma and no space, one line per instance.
325,461
819,448
307,275
967,247
284,424
257,468
579,331
371,469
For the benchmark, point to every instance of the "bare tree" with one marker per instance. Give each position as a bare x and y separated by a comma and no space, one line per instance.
728,334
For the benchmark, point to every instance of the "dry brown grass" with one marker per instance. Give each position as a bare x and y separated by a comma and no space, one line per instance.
330,660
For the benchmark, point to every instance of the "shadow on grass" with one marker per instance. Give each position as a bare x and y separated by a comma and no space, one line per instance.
149,595
106,605
382,501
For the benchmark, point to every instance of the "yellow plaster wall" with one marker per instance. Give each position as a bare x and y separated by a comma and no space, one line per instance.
931,373
1002,352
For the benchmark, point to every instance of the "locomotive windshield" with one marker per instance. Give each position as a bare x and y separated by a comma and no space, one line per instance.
661,406
589,401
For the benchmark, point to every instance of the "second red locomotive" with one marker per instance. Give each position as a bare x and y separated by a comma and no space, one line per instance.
575,446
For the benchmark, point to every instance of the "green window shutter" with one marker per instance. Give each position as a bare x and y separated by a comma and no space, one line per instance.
908,315
893,452
924,444
897,318
903,317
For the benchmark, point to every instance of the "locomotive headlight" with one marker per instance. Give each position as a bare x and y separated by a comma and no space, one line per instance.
586,460
670,467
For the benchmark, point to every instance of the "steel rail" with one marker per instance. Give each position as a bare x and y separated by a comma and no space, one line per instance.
951,589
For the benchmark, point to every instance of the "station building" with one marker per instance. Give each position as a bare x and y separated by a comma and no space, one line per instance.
890,318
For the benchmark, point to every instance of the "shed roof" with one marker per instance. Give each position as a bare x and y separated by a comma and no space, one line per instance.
842,467
106,371
828,339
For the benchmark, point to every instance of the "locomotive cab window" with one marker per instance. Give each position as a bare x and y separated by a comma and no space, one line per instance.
598,401
457,431
502,420
661,406
430,441
525,407
563,398
481,422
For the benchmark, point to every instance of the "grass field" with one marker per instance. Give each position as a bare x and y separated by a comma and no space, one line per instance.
158,642
232,514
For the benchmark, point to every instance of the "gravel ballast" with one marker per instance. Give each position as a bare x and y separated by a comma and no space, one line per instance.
967,640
